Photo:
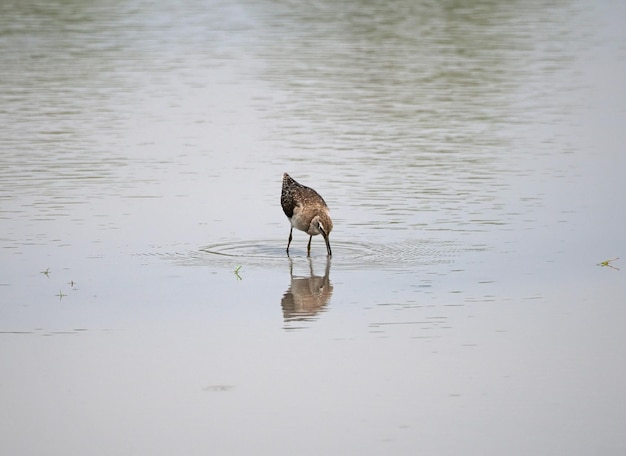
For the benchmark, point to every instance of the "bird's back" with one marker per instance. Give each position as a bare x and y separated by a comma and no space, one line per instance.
295,194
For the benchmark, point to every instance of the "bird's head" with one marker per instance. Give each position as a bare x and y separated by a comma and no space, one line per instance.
322,224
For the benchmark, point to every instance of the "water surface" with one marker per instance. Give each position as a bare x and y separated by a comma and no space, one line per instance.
471,155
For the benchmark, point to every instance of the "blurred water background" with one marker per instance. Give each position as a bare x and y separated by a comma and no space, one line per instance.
472,157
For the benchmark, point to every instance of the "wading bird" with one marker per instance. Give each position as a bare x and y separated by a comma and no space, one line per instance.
306,211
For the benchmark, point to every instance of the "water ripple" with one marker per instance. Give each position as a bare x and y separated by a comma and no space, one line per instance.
346,254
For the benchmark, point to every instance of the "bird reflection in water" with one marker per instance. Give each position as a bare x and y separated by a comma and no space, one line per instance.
306,296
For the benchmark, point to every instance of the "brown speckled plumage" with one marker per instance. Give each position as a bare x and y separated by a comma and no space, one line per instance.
306,211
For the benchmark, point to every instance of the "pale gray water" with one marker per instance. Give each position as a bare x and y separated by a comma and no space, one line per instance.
472,157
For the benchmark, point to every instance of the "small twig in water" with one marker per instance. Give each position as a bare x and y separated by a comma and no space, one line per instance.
237,272
608,263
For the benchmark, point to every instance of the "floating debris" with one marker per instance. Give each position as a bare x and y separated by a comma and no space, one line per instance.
607,263
218,388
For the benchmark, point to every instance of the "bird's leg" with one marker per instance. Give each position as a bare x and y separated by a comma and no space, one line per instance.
308,247
289,241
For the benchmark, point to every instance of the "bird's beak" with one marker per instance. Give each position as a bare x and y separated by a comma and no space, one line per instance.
330,253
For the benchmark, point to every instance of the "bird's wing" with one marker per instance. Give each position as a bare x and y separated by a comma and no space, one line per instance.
288,202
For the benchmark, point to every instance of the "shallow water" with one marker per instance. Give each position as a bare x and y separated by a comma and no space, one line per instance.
472,158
